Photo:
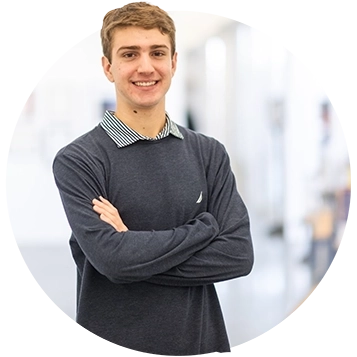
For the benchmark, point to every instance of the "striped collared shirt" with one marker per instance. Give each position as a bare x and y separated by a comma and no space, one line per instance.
123,136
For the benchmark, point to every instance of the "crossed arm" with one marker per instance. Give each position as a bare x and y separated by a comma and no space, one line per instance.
212,247
226,257
109,214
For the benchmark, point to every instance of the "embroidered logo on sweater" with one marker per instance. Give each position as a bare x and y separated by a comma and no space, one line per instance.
199,200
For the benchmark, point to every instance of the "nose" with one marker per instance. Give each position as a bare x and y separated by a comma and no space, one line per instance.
145,64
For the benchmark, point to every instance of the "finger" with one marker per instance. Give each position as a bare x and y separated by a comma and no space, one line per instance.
101,199
111,214
114,221
97,203
105,205
105,201
100,209
107,219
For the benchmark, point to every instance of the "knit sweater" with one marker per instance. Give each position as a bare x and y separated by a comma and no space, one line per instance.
151,288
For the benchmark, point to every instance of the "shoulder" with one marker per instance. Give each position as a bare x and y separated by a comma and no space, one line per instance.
196,136
207,144
88,149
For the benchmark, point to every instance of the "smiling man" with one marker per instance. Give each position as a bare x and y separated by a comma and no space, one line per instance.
155,215
141,65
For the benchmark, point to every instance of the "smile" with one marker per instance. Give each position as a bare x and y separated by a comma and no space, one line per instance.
145,84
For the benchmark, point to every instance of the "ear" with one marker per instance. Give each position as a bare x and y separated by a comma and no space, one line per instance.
107,68
174,63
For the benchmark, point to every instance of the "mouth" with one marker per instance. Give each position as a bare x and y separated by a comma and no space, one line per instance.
145,83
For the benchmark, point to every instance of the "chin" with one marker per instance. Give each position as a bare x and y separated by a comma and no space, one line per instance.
148,104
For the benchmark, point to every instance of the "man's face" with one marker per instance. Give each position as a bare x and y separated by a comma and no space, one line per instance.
142,67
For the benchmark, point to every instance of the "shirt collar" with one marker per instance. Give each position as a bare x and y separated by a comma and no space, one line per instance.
123,135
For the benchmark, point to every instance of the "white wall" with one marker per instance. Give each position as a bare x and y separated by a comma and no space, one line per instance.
301,143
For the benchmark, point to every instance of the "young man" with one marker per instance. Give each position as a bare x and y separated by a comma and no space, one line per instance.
155,215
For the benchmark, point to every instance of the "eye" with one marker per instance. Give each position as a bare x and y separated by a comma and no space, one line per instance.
129,55
158,54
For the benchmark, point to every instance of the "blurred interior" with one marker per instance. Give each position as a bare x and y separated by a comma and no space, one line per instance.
286,147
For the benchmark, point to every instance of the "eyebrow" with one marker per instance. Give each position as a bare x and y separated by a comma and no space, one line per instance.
136,48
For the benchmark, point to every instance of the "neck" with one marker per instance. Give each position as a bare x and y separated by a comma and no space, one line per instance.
145,122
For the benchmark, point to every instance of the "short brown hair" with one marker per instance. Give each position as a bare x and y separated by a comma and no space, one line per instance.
139,14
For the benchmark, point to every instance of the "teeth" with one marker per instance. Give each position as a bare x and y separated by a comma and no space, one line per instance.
145,84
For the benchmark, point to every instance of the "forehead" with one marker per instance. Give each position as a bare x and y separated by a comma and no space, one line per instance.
139,37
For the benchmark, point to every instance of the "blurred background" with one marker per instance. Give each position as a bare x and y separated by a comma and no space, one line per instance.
286,146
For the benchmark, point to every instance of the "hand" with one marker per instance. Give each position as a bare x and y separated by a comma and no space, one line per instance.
109,214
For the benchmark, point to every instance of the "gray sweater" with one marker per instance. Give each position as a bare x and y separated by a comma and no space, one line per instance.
151,289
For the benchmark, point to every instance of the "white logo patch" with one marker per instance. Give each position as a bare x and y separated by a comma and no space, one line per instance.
199,200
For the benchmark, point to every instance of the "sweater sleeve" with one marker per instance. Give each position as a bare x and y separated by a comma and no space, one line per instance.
122,256
230,254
